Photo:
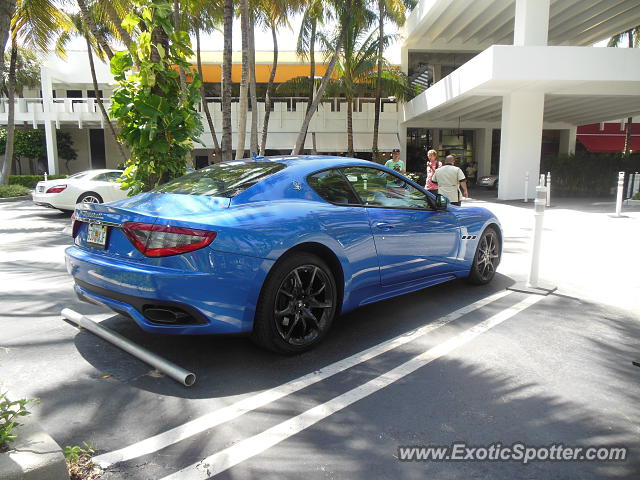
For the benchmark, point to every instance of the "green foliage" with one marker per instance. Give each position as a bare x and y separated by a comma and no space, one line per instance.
31,143
636,196
10,413
157,117
8,191
80,462
30,181
586,173
27,71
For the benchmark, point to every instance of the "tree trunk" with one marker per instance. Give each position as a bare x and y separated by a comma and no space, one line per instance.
244,82
378,107
176,27
96,92
267,99
7,8
205,107
252,88
87,18
323,85
226,81
312,71
350,126
11,127
627,139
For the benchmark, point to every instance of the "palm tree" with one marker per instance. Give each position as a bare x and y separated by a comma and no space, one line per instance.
226,80
314,15
34,23
6,11
633,36
393,10
345,12
82,29
89,21
273,14
244,81
204,16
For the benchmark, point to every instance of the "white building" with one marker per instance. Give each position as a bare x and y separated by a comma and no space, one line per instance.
66,101
520,66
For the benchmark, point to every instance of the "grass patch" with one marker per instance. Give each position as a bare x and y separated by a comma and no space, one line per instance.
7,191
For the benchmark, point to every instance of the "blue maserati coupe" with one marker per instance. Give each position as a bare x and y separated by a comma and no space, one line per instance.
275,247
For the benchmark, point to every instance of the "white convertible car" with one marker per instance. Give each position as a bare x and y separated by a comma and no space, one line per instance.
92,186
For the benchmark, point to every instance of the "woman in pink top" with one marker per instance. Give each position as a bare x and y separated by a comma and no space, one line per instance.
432,165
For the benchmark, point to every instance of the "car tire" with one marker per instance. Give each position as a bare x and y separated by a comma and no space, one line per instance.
486,258
90,197
296,306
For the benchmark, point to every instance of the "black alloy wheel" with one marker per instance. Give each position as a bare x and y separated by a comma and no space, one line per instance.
486,259
297,305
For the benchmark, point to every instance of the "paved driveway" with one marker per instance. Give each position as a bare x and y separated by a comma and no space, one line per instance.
449,364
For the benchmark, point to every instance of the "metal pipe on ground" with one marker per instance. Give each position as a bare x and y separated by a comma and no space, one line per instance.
170,369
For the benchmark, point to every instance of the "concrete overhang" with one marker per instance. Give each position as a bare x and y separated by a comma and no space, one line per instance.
581,85
475,25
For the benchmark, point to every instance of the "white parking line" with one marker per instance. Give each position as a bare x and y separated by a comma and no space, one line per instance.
250,447
224,414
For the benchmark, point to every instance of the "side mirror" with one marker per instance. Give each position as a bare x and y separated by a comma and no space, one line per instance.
442,202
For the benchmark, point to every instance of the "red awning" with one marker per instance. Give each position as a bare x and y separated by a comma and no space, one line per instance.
607,143
608,137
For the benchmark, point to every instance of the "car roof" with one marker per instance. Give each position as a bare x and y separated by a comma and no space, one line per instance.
311,163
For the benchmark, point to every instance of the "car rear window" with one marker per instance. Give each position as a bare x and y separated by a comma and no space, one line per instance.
223,180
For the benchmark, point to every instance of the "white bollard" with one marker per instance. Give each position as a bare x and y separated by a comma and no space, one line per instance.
45,176
619,197
541,182
548,184
538,215
526,187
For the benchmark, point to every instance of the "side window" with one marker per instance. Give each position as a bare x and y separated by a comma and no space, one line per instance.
100,178
332,186
112,176
381,189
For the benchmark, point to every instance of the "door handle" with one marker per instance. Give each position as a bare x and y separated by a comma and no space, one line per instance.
384,226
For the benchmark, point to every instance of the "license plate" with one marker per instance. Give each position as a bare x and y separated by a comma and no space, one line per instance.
97,235
40,189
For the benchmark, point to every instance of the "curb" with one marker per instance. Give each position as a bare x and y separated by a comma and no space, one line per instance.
34,455
15,199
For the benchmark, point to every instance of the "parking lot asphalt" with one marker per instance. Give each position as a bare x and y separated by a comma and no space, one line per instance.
453,363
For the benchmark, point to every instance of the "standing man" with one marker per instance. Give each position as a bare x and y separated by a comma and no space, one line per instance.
395,163
449,180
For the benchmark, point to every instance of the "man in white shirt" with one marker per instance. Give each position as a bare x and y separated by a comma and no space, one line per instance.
450,179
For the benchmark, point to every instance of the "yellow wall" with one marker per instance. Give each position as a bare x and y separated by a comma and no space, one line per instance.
213,73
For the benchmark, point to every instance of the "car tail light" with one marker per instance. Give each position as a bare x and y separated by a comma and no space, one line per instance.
56,189
165,240
75,225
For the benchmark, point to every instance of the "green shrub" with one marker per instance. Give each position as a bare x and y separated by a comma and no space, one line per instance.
7,191
587,174
10,412
30,181
636,196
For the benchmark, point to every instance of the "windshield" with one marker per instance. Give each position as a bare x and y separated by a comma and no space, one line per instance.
223,180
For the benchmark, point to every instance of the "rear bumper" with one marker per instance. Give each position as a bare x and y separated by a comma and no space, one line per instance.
51,200
218,301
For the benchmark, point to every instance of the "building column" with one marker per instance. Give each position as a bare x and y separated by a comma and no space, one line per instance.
402,138
531,25
568,141
49,124
520,142
483,144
